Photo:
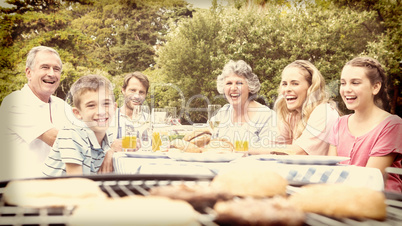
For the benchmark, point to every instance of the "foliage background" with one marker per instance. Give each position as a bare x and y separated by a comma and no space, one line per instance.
183,49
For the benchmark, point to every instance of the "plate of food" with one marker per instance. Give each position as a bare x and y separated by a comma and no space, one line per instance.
146,154
204,157
304,159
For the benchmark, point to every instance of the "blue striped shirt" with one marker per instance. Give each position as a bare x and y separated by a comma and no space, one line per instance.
77,145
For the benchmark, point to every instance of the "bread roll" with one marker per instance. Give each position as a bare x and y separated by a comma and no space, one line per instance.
136,210
185,146
340,200
199,137
52,192
201,140
252,182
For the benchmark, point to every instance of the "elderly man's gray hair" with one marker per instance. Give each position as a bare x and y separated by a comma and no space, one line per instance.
32,54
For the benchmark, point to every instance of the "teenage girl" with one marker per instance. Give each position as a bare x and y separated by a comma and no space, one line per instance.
370,136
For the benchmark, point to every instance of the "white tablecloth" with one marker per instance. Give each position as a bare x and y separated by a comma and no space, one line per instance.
352,175
130,165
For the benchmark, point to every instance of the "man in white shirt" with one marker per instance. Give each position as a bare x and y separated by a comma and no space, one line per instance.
133,112
30,118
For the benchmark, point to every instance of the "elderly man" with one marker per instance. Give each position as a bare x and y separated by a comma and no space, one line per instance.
31,117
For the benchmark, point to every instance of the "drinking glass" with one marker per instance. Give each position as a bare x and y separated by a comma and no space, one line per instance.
241,146
145,131
159,115
156,141
241,137
165,141
212,111
160,139
170,115
137,113
129,142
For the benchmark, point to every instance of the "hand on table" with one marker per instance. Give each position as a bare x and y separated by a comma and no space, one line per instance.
272,151
107,165
291,149
138,146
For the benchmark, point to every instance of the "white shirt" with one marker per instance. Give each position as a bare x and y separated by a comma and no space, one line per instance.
140,126
24,117
259,131
313,139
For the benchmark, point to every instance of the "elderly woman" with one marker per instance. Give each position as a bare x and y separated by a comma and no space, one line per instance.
243,119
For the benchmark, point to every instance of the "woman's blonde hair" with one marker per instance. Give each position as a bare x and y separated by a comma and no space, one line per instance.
316,95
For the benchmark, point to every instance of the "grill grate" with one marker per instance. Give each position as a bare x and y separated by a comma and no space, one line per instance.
124,185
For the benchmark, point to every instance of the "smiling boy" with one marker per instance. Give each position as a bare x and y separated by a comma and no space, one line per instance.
81,149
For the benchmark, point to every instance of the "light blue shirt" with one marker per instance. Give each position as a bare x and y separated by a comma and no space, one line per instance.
77,145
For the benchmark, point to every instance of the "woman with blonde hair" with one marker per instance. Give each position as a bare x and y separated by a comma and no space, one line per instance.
305,113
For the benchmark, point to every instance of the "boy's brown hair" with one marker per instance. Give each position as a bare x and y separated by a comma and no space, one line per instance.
88,83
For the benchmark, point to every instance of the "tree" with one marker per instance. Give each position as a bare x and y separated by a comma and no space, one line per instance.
262,3
32,23
126,32
112,36
186,61
268,39
388,47
183,50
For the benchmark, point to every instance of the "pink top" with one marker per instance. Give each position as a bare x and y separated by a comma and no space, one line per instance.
313,139
384,139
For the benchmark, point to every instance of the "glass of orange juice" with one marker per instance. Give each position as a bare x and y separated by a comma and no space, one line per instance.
241,146
156,141
129,141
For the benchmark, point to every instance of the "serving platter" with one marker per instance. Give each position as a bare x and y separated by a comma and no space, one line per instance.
303,159
146,154
204,157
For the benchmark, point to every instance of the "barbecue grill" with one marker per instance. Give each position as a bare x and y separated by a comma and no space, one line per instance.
124,185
